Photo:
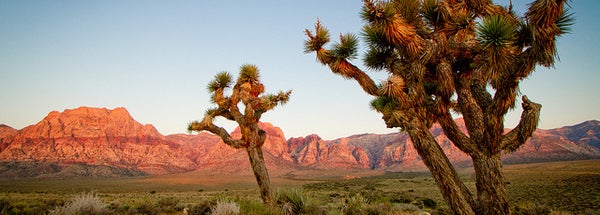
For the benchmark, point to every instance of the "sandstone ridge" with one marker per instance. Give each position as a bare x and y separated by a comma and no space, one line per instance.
103,142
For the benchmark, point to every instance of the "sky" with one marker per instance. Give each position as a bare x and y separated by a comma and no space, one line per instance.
155,58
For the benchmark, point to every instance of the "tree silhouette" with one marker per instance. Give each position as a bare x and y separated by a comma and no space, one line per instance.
444,56
249,91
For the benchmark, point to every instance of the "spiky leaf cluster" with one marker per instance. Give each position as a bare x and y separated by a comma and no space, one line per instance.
496,32
249,73
222,80
346,48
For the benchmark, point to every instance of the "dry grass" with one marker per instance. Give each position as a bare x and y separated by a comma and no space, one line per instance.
560,186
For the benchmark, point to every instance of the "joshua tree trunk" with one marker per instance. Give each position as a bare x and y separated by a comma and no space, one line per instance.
259,168
491,188
455,192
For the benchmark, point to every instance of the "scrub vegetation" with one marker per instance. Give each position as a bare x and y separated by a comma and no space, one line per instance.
546,188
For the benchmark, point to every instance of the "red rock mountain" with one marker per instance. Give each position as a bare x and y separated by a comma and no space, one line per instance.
98,141
99,137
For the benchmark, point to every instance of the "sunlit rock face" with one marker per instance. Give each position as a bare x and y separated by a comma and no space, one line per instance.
100,141
97,136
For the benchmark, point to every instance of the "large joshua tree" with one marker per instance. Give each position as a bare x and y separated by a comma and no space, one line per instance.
444,56
248,90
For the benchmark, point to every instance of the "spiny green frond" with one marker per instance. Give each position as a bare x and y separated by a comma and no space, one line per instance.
496,31
222,80
270,101
384,104
396,29
376,58
317,40
565,21
377,11
249,73
409,9
346,48
374,36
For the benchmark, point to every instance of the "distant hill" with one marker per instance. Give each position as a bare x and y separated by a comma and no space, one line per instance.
110,143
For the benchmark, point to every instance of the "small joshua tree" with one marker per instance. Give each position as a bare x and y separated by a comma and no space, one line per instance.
247,90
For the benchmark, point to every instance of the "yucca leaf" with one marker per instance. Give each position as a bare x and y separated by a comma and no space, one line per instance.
377,11
384,104
249,73
409,9
376,58
496,31
317,40
346,48
374,36
222,80
565,21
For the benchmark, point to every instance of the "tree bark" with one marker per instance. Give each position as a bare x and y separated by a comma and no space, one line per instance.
491,188
261,174
455,192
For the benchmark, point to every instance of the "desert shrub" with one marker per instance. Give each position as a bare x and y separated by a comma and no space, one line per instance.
294,201
85,203
202,208
225,208
180,206
167,204
354,205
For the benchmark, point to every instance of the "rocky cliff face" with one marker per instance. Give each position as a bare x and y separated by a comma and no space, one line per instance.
96,136
395,151
212,156
7,134
99,141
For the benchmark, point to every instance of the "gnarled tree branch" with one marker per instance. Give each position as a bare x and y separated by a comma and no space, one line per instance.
527,125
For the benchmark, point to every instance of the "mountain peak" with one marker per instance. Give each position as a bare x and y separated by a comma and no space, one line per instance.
95,136
90,122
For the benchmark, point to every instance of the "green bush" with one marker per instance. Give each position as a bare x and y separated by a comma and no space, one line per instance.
355,205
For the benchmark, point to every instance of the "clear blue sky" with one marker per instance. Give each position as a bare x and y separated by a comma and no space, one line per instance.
156,57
